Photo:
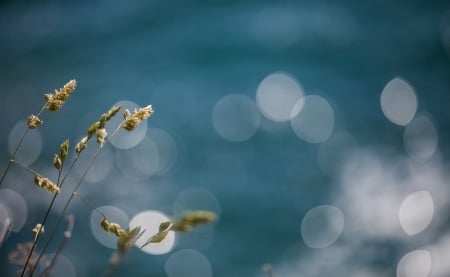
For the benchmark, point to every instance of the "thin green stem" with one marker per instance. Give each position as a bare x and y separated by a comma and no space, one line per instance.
67,236
90,204
13,156
47,213
58,221
32,171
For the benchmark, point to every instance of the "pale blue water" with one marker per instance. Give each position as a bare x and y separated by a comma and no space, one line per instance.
183,57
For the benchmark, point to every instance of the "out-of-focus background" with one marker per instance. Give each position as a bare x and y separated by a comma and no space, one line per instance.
317,131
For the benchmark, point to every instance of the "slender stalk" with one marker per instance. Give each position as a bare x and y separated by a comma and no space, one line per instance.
90,204
58,221
13,156
67,236
114,263
24,166
47,213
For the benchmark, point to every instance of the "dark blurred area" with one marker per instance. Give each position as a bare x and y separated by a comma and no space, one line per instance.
317,131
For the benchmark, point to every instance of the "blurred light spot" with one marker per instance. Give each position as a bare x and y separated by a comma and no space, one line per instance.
149,221
16,207
440,255
337,149
174,104
124,139
236,118
416,263
416,212
62,267
315,122
139,162
115,215
398,101
32,144
102,166
321,226
5,224
167,149
188,262
420,138
371,193
277,95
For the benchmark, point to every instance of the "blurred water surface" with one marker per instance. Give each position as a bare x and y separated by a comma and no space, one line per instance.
318,132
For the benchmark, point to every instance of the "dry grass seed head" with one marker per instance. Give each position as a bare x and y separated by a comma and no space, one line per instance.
46,183
81,145
132,120
56,100
38,229
33,121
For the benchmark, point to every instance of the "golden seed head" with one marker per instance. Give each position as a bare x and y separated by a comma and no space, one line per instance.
57,162
46,183
38,229
64,92
192,219
105,224
158,237
56,100
198,217
93,128
48,97
34,121
109,114
128,239
164,226
101,135
64,150
132,120
111,227
81,145
54,104
38,180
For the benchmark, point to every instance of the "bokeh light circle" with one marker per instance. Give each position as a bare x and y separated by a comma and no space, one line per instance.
102,167
315,121
416,263
31,146
188,262
114,214
276,96
62,267
421,138
149,221
416,212
126,139
167,149
399,101
5,224
139,162
322,226
236,118
16,206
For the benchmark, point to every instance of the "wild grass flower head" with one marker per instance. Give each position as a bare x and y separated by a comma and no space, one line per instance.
132,120
57,99
34,121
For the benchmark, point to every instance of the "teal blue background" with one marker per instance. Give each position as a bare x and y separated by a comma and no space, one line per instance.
124,50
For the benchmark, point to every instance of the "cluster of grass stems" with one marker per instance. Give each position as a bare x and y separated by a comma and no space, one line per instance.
26,254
